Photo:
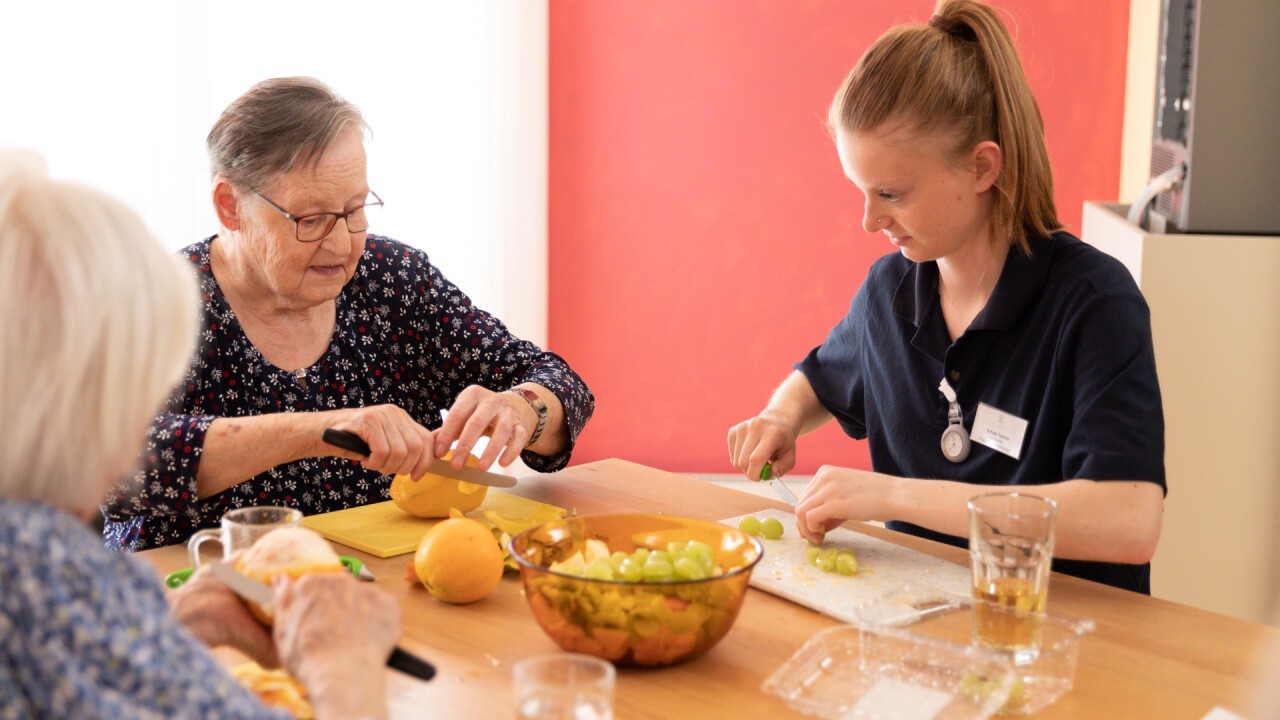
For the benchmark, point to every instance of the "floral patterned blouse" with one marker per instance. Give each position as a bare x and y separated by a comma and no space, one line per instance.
404,334
86,633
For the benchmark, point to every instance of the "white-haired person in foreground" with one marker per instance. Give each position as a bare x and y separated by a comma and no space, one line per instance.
97,322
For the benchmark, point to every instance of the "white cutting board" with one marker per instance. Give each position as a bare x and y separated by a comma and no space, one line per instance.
882,568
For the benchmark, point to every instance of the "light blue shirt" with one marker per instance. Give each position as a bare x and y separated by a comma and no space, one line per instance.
86,633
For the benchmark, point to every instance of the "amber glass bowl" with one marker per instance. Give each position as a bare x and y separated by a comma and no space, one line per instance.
634,623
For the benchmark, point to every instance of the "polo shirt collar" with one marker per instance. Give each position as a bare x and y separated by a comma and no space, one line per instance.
1021,282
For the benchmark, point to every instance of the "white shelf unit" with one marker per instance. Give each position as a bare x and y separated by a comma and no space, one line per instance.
1215,319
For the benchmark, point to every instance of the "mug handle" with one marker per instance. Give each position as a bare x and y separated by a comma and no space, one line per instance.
193,545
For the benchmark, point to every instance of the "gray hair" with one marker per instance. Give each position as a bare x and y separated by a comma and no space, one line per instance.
274,126
97,324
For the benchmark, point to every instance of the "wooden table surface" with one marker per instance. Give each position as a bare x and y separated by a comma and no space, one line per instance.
1148,658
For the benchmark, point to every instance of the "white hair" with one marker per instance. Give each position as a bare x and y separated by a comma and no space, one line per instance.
97,323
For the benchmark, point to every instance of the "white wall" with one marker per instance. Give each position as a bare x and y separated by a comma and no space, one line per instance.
121,95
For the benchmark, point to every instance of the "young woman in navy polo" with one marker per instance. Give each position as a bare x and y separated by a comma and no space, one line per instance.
992,350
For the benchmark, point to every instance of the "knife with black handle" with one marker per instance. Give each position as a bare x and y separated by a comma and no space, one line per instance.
356,444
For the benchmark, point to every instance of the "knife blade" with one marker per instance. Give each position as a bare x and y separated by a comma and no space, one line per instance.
784,492
356,444
262,594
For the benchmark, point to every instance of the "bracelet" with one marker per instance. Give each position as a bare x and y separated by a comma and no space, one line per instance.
538,406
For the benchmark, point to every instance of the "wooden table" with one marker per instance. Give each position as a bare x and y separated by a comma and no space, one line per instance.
1147,659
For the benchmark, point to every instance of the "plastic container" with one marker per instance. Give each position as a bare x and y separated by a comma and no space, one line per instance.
1041,679
865,671
926,638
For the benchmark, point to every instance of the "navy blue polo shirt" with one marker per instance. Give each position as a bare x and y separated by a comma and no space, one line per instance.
1063,343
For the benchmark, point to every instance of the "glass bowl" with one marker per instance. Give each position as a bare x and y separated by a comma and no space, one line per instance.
634,623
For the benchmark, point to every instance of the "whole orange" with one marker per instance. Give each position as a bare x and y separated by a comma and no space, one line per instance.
432,495
459,561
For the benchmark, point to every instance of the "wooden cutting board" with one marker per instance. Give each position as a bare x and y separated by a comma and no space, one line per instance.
383,530
883,567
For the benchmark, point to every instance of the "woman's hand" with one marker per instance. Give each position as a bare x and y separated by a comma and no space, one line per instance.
761,440
506,418
838,494
218,618
398,445
334,635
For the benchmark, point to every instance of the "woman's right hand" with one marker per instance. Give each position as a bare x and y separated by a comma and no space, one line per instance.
762,439
334,635
398,445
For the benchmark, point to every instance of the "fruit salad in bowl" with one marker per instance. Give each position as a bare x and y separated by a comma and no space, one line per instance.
635,589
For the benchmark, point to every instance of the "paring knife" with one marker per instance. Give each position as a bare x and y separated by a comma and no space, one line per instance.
254,591
784,492
356,444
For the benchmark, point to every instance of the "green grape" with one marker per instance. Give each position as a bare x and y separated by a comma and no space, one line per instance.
771,528
631,571
827,560
640,555
811,554
616,559
676,549
600,569
846,563
657,570
699,551
749,525
686,568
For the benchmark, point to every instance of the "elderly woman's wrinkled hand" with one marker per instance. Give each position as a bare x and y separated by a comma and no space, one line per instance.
328,623
219,618
398,445
505,418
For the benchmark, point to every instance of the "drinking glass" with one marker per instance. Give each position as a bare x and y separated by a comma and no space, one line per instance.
564,686
241,528
1010,552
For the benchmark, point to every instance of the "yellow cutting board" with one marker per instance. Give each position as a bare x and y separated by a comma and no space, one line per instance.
383,530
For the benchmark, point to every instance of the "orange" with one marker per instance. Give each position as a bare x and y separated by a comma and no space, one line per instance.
292,552
432,495
459,561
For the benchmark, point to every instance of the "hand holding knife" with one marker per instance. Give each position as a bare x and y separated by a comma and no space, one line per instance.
356,444
262,594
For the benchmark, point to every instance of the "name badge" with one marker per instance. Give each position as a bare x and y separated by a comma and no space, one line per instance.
999,430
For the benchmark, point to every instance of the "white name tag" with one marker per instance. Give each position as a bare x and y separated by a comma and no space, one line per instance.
999,430
899,700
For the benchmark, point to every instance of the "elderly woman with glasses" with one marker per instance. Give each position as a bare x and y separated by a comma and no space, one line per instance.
310,322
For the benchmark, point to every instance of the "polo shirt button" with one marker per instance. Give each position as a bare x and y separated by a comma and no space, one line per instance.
955,374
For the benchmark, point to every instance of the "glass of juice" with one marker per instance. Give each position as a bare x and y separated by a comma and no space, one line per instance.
1010,552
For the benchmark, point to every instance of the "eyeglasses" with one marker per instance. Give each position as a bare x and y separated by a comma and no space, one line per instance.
317,226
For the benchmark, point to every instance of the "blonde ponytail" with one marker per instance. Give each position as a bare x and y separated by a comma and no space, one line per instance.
960,75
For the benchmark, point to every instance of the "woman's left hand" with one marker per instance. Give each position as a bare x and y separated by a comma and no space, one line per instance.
506,418
218,617
838,494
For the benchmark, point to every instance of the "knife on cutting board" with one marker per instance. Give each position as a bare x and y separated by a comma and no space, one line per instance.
262,594
356,444
784,492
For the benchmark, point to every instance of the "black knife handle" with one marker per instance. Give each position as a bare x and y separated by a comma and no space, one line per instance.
346,441
411,664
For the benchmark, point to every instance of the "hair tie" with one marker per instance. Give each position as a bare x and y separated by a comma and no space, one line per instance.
952,27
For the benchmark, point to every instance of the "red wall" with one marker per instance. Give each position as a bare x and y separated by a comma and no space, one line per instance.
702,236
